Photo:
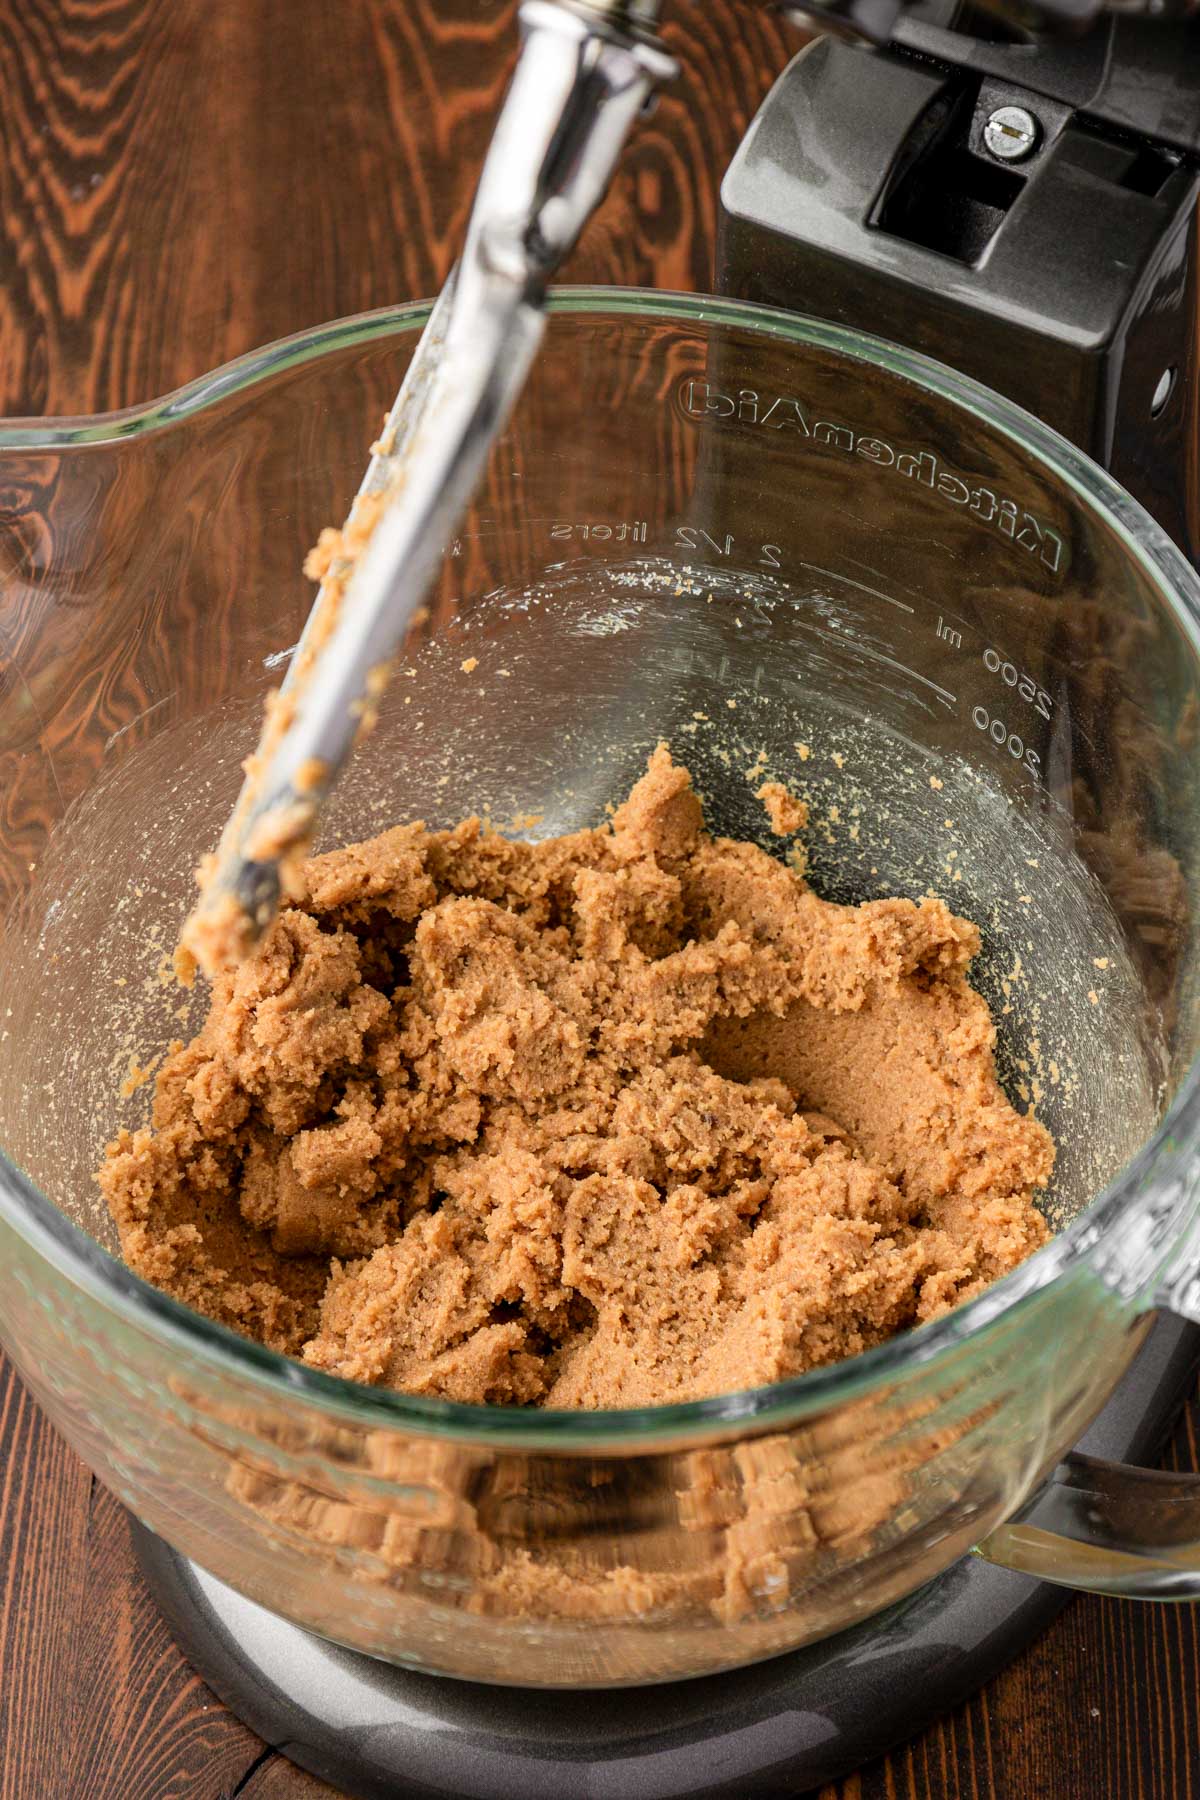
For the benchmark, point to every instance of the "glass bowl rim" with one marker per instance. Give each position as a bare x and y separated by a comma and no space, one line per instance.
86,1263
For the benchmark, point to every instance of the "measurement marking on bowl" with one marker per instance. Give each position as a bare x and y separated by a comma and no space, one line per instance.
997,730
942,693
1016,678
849,581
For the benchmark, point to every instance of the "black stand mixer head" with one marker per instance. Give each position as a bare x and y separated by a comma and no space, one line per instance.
1025,213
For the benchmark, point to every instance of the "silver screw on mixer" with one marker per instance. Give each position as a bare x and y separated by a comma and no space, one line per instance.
1011,133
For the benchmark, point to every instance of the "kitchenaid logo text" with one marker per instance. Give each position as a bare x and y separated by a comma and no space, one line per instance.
782,412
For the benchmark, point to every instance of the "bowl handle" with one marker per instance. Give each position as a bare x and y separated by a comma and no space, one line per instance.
1108,1528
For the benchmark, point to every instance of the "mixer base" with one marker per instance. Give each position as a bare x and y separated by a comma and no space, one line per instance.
785,1726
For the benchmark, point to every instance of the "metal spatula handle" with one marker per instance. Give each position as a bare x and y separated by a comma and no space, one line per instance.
578,87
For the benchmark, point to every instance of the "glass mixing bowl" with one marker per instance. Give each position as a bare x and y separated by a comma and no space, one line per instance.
785,549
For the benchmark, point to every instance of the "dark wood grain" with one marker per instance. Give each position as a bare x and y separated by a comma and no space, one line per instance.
180,182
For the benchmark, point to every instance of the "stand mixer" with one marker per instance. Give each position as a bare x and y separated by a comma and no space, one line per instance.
879,188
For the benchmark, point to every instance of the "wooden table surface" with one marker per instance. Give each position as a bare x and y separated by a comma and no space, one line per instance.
181,180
